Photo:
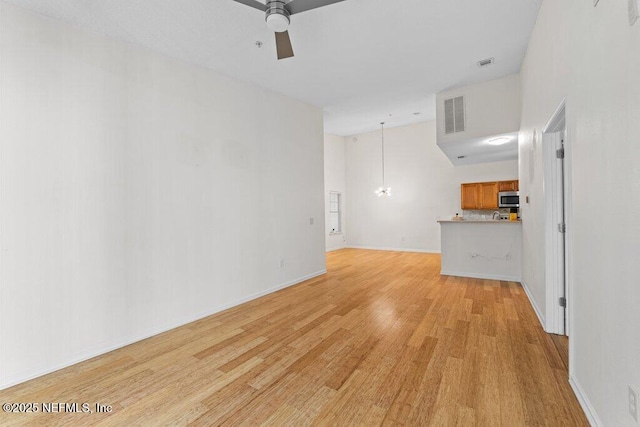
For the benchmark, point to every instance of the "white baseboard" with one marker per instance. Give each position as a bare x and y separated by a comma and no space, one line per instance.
335,249
536,309
372,248
480,276
586,405
30,374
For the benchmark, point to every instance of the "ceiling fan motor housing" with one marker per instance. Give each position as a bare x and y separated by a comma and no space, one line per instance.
277,16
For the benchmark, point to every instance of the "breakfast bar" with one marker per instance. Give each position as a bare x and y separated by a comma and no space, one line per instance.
484,249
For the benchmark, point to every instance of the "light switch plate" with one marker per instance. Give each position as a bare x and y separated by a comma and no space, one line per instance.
634,11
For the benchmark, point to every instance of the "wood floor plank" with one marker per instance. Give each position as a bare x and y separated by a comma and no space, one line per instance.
380,339
562,346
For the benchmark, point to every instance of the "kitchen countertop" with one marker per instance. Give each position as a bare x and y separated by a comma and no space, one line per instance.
482,221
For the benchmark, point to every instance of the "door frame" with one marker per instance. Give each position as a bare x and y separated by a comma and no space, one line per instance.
558,277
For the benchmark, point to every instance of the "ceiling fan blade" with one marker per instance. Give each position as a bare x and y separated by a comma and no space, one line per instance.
283,45
297,6
253,3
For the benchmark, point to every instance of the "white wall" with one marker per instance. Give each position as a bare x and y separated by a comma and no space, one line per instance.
424,186
139,193
591,56
334,180
492,108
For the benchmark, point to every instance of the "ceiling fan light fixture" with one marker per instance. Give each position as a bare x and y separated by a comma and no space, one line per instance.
277,22
277,16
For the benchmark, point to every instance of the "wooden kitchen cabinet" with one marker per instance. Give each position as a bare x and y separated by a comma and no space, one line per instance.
484,195
488,195
508,185
469,196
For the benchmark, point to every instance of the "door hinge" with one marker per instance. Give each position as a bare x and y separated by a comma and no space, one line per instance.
560,153
562,301
562,227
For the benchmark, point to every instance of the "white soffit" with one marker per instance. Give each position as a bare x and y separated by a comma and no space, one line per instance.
360,60
479,150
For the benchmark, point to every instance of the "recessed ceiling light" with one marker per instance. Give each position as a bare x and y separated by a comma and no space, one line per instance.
501,140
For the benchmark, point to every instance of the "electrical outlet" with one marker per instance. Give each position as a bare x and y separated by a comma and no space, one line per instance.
633,403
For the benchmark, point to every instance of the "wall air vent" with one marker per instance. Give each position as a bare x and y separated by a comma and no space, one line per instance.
454,120
485,62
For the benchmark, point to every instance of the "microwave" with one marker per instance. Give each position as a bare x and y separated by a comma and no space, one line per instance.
508,199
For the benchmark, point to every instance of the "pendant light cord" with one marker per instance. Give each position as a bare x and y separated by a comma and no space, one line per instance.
382,124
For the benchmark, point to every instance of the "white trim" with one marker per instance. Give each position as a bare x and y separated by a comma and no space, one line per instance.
335,249
554,240
587,407
372,248
29,374
481,276
558,119
568,217
339,212
536,309
558,275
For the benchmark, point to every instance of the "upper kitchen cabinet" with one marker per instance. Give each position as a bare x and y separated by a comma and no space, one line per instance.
479,195
480,123
488,195
484,195
508,185
469,196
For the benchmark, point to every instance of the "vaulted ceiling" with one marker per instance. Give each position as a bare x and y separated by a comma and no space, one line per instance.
362,61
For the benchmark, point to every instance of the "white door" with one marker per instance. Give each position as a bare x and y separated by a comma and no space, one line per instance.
554,187
562,228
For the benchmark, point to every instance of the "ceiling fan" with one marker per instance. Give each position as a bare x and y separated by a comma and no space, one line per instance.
277,14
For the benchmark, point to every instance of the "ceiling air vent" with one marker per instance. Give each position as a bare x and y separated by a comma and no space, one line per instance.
485,62
454,115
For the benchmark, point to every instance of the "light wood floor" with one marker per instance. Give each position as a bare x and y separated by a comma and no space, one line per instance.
382,338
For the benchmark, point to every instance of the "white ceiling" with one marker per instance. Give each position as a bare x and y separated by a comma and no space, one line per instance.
360,60
477,150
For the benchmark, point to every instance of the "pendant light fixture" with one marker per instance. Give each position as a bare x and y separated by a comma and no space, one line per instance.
383,191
